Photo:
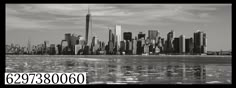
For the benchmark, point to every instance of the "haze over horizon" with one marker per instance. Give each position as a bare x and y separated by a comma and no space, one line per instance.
50,22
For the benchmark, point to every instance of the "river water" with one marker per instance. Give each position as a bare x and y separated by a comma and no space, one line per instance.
115,69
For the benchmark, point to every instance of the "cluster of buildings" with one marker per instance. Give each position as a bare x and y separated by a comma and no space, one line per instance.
153,43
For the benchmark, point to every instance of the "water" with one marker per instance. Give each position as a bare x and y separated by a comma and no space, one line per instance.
131,69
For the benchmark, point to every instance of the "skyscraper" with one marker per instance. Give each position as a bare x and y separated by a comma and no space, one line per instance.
199,42
189,45
68,38
169,46
29,47
110,35
110,42
88,27
117,36
182,44
176,45
204,50
127,36
134,49
152,34
141,35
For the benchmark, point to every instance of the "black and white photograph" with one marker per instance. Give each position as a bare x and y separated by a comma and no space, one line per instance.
121,44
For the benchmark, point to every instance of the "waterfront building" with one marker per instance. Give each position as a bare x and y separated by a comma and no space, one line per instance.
78,49
189,45
82,41
169,43
176,45
110,47
146,49
74,39
204,47
64,47
134,49
110,35
182,44
29,49
46,47
141,35
57,50
152,49
102,46
159,44
128,47
52,49
122,46
117,37
88,28
94,41
199,42
127,36
139,47
153,34
157,50
163,45
68,39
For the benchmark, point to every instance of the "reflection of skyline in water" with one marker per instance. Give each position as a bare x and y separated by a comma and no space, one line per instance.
141,71
160,72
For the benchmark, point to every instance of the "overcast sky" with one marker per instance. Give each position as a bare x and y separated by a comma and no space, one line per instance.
50,22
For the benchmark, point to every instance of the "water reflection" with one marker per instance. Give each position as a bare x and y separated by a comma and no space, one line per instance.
127,71
116,71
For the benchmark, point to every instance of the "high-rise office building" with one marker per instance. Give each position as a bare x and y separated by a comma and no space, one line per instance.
74,39
29,49
110,35
128,47
78,47
182,44
52,49
122,46
204,50
94,41
169,43
141,35
189,45
110,47
127,36
46,47
176,45
139,47
146,49
64,47
117,37
163,45
134,49
88,28
68,38
153,34
199,42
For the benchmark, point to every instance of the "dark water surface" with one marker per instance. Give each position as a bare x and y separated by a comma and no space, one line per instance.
115,69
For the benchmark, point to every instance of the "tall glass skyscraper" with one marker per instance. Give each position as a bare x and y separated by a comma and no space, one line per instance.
170,38
199,42
88,27
182,44
117,36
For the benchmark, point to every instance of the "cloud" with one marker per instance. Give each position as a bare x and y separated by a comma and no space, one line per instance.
70,16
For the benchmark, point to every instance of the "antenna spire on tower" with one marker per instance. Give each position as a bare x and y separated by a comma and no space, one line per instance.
88,10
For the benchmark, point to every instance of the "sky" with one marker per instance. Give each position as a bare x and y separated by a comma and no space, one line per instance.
40,22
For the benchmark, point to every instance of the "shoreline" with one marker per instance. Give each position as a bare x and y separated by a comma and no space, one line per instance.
134,55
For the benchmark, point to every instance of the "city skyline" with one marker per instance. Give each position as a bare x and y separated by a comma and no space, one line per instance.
53,21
